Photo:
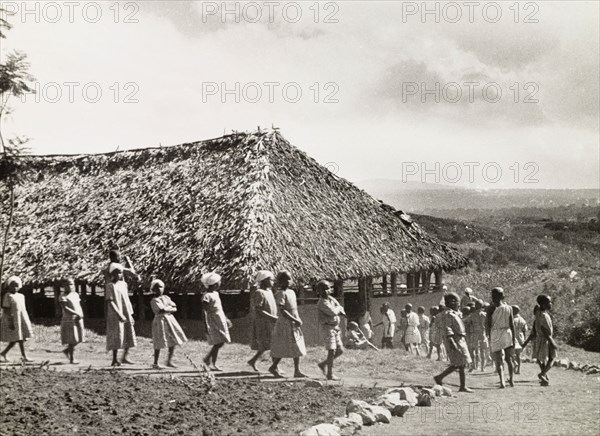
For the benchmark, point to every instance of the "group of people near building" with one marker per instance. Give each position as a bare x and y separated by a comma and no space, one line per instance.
467,336
470,336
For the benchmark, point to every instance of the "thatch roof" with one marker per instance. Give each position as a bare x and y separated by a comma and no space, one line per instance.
234,204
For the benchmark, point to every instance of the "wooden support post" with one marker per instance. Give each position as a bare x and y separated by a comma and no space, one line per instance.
83,297
57,308
362,294
417,278
338,291
394,282
185,303
410,281
425,279
384,282
140,303
27,292
41,302
369,292
438,280
300,293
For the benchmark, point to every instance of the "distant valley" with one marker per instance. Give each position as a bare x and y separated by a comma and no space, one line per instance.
458,202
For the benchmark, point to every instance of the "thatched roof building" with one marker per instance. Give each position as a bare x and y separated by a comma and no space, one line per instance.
234,204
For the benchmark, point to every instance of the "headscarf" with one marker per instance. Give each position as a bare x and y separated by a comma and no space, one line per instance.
468,291
263,275
115,266
210,279
16,280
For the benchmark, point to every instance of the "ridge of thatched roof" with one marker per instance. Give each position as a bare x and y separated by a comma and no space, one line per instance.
234,204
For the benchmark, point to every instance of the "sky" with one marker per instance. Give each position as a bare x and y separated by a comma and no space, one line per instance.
495,95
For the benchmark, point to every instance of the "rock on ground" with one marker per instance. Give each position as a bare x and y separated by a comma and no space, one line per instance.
355,417
322,430
424,399
439,390
430,392
363,409
350,425
400,409
393,403
381,414
405,394
389,401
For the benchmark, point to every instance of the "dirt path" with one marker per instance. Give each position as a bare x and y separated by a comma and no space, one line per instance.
570,405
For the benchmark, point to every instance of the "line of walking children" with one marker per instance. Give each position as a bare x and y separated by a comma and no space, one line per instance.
464,337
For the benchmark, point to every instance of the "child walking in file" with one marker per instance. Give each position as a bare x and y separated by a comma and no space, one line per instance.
330,311
454,339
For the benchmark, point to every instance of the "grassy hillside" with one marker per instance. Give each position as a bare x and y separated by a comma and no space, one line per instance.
531,255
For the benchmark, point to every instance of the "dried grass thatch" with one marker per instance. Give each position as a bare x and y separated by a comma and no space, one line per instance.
234,204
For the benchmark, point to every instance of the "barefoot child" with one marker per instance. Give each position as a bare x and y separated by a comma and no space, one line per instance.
120,332
217,325
435,338
389,326
521,333
480,342
264,311
166,331
424,324
412,335
440,333
71,325
467,320
288,340
15,326
544,346
454,338
532,335
402,325
501,331
329,312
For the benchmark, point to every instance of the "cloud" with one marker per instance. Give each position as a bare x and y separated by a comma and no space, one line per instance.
197,19
361,61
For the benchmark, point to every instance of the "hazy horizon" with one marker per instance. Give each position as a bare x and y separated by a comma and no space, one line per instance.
412,184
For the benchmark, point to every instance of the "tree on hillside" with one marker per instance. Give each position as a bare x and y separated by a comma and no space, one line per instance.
14,82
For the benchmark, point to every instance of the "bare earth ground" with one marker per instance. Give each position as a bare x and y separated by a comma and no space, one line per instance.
49,402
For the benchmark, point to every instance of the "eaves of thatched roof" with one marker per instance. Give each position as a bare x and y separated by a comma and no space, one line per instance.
235,204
